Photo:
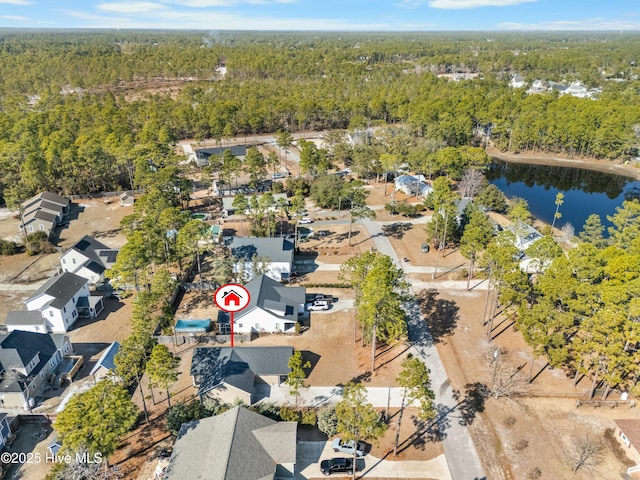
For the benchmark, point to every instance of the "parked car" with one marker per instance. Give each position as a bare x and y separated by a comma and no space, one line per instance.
338,465
305,220
425,248
278,175
313,297
347,447
318,305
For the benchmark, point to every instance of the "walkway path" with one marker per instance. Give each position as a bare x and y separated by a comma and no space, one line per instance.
460,452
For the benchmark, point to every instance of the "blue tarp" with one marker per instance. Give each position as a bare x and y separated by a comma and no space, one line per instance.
193,326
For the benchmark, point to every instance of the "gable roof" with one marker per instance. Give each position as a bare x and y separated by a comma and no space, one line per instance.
237,366
49,197
270,295
99,256
238,444
277,249
62,288
106,360
19,347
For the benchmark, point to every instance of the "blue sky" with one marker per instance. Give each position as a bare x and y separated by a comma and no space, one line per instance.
358,15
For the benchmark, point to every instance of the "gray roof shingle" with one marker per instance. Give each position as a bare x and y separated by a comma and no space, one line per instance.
270,295
277,249
236,445
62,288
237,366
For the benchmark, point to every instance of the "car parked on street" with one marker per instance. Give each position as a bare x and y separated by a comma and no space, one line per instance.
347,447
338,465
305,220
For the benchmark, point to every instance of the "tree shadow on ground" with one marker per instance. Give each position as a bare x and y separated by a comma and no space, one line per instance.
441,315
473,402
312,358
362,378
396,230
428,431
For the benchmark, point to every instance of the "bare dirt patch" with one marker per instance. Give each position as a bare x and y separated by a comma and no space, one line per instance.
533,432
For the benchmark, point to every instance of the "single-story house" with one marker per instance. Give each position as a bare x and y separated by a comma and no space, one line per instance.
62,299
28,360
413,185
89,259
227,374
106,364
203,154
628,434
126,200
272,307
236,445
272,255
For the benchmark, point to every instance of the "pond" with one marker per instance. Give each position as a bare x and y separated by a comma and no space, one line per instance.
585,191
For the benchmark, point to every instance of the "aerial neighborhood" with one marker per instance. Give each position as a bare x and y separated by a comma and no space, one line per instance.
382,261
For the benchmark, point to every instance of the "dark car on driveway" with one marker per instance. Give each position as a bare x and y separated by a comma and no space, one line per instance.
338,465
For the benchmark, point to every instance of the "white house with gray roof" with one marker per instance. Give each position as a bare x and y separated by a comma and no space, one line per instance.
236,445
272,307
271,255
89,259
228,374
62,299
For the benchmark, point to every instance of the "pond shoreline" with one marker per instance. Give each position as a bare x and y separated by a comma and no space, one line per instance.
608,166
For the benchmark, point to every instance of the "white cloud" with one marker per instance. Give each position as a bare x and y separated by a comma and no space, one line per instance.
15,2
464,4
14,17
214,20
204,3
130,7
585,24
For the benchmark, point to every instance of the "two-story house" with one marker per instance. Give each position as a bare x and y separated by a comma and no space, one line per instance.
27,361
273,256
62,300
43,212
89,258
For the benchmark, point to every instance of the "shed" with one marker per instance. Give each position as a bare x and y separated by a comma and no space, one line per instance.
126,199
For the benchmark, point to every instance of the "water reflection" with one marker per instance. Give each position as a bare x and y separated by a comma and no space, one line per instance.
560,178
586,191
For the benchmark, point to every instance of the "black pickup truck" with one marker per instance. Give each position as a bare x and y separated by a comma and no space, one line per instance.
337,465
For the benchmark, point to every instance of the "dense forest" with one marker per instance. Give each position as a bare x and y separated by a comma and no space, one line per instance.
69,123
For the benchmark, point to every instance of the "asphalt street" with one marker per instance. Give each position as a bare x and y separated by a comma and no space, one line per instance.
459,450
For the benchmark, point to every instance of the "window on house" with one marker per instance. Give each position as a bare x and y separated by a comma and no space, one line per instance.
31,228
277,326
41,227
73,260
64,261
64,309
239,325
51,313
257,326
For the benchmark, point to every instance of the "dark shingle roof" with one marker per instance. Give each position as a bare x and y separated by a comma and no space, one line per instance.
237,366
62,288
19,347
277,249
97,252
270,295
236,445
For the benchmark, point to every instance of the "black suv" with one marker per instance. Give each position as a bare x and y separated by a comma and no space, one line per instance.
337,465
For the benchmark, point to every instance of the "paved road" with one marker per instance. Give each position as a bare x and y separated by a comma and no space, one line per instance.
460,452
